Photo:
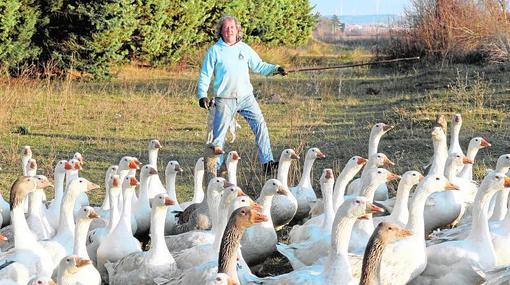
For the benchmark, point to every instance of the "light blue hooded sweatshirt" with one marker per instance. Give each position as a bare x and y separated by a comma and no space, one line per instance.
230,64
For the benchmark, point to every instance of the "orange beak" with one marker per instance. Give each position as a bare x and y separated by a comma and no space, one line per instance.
169,201
507,181
456,118
255,206
240,193
68,166
157,145
421,178
235,156
93,215
153,171
227,184
77,165
282,190
294,156
466,160
387,127
133,181
258,217
82,262
33,164
329,174
2,237
405,233
178,168
451,186
134,164
371,209
116,181
320,154
91,186
485,143
362,161
392,176
388,162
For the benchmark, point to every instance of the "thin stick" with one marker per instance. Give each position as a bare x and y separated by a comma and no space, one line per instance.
352,64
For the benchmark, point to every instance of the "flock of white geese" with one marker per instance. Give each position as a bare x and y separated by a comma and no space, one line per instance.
220,235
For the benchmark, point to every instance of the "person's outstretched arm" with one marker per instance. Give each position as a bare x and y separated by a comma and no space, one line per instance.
258,66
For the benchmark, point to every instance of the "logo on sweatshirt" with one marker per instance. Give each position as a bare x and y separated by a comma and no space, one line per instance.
241,56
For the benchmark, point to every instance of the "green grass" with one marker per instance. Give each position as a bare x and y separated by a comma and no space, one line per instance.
332,110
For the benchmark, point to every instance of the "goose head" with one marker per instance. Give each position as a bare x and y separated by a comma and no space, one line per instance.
76,164
379,160
288,155
87,213
26,152
359,208
199,165
129,184
82,185
244,201
457,121
3,238
115,185
441,123
112,170
389,232
457,160
273,187
42,181
314,153
378,176
233,157
216,184
71,265
147,170
478,143
436,183
493,182
327,178
245,217
20,189
229,194
438,134
129,162
79,157
31,167
411,177
154,145
503,163
172,168
161,200
60,167
380,129
41,281
221,279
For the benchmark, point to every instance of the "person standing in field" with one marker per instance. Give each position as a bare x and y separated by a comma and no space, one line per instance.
230,60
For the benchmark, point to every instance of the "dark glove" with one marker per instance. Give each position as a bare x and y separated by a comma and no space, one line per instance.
204,103
281,71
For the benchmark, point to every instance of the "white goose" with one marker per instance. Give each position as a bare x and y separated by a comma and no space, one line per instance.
36,218
231,163
120,242
28,255
304,193
151,266
406,259
201,217
172,168
141,210
454,136
155,185
400,213
88,272
475,144
283,208
53,212
259,241
97,235
26,155
500,200
308,252
128,165
62,243
376,133
374,161
104,210
336,268
198,188
69,269
454,262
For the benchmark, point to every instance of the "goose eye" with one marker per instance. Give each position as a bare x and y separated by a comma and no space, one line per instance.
218,279
274,184
39,282
379,171
243,212
437,178
390,228
357,202
243,200
477,140
353,158
287,152
84,210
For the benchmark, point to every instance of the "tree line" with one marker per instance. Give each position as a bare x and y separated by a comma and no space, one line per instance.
91,36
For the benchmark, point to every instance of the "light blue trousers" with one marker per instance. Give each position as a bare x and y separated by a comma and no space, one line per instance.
247,107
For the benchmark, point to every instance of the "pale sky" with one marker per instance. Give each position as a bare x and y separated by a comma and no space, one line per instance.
360,7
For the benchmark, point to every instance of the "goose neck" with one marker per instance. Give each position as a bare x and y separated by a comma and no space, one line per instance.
341,233
401,211
80,237
125,219
440,156
416,223
307,169
59,187
170,186
340,185
158,250
153,158
198,189
454,137
373,143
35,199
106,201
480,225
283,172
227,261
23,237
329,213
66,221
232,172
371,262
114,211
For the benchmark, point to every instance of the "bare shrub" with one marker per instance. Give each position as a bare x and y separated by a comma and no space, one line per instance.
455,30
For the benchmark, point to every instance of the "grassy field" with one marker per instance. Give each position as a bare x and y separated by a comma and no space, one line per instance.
331,110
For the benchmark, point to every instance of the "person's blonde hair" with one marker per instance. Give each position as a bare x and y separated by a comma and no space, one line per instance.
222,20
